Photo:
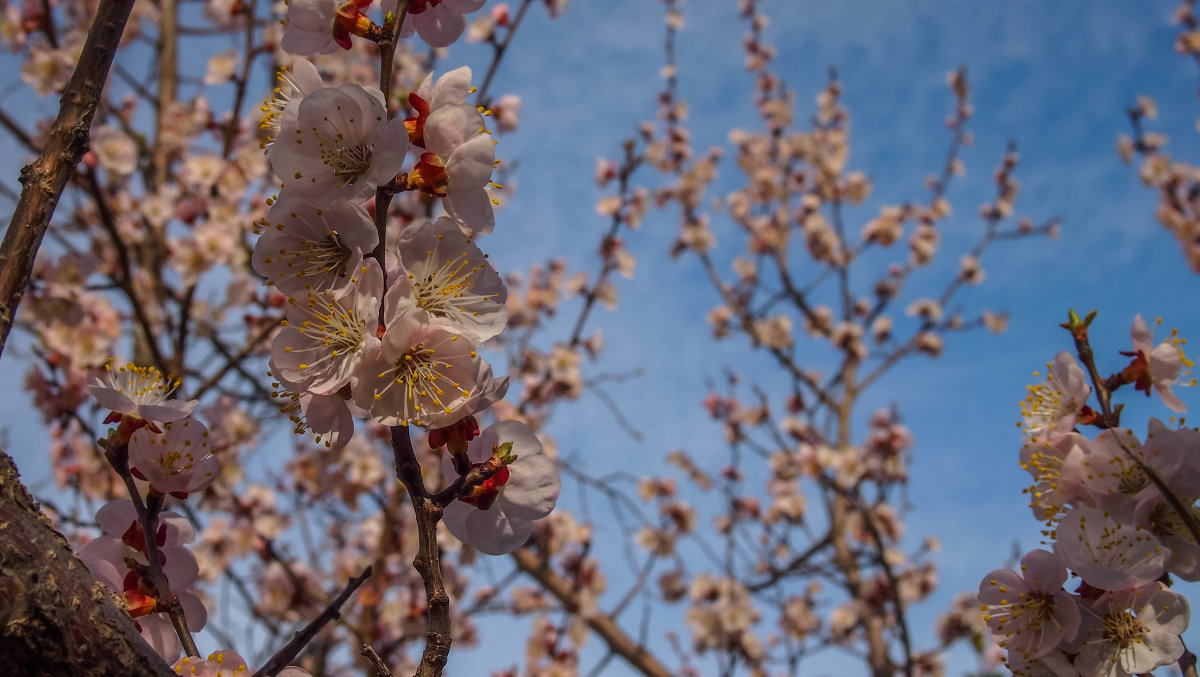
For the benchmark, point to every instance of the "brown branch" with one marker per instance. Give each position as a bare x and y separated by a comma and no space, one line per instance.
43,181
147,513
332,612
376,662
617,640
427,562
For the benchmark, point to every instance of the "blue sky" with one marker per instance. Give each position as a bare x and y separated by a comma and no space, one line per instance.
1054,77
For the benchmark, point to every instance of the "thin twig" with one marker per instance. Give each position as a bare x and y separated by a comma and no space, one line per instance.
376,661
293,648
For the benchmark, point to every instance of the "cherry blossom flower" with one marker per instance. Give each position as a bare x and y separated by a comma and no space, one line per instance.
1056,470
322,26
1156,366
1108,554
438,22
327,335
1029,613
341,145
446,279
458,165
115,150
1159,517
328,417
424,374
140,392
1052,406
108,557
224,664
452,88
1118,481
1131,632
177,461
497,516
283,107
307,246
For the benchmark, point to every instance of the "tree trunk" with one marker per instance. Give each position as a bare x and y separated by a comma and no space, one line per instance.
55,617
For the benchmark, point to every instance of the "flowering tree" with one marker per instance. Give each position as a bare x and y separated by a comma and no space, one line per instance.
320,269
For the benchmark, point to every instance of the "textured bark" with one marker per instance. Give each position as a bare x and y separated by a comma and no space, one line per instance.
55,617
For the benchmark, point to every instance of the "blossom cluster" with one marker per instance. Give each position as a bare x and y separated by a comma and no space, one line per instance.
390,328
1121,518
383,320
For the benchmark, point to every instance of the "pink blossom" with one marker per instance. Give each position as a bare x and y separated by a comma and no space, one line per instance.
224,664
313,246
458,165
1156,366
424,374
1108,554
1118,481
438,22
123,541
1131,632
140,392
322,26
283,108
446,279
341,146
497,516
177,461
1052,406
1056,469
327,335
1029,613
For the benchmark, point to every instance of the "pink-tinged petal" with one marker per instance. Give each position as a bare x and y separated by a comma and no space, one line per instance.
115,517
532,489
449,127
1165,362
439,28
180,566
353,224
1143,338
996,586
306,77
293,671
166,412
193,610
104,557
391,147
471,164
424,89
1043,570
494,533
1107,554
179,528
111,399
463,6
156,629
472,209
203,475
1170,399
455,515
330,417
451,88
311,15
308,43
